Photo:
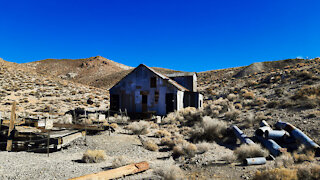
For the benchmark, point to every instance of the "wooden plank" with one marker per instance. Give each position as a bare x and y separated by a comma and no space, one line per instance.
79,126
11,126
67,139
116,173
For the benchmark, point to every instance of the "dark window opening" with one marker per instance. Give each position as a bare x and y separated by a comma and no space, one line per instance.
156,96
144,99
153,82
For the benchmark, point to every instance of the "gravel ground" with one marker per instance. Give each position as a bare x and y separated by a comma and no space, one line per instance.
66,163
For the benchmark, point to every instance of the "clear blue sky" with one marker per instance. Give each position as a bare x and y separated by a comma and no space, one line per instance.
185,35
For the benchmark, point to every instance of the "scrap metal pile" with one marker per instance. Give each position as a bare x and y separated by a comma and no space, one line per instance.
284,138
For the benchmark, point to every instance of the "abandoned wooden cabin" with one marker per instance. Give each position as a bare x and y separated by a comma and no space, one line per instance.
146,91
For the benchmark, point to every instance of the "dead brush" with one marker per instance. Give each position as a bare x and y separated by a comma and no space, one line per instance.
166,141
276,174
186,149
140,128
162,133
150,145
169,172
308,156
232,114
285,160
121,161
94,156
250,151
308,171
209,129
203,147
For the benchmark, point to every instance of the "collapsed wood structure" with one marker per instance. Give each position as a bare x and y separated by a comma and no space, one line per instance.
32,133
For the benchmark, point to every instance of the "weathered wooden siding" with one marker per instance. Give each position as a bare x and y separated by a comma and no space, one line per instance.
136,84
189,82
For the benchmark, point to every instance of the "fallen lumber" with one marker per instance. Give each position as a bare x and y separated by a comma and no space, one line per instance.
80,126
116,173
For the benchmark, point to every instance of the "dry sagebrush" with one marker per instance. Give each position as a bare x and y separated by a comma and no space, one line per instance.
250,151
93,156
169,172
209,129
140,128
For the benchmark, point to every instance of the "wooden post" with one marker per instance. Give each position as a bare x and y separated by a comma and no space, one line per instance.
85,127
109,115
0,121
11,126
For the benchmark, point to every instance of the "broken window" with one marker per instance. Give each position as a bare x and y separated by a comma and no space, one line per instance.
156,96
153,82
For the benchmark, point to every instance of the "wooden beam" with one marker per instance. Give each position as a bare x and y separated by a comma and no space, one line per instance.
11,126
116,173
80,126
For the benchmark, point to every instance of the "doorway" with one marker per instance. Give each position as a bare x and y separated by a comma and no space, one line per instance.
144,103
169,102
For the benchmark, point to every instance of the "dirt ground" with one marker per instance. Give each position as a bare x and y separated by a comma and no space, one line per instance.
67,163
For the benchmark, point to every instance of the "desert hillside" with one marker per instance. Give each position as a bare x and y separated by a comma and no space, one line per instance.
39,93
85,71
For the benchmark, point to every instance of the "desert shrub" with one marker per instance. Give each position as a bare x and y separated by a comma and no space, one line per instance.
249,120
162,133
307,156
141,127
272,104
307,97
276,174
170,172
203,147
212,110
184,149
285,160
150,145
250,151
248,95
121,161
260,101
232,97
94,156
238,106
309,171
209,129
223,103
166,141
186,116
232,114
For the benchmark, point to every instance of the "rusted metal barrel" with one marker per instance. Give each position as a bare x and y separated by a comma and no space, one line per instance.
243,138
298,134
272,146
261,131
255,161
275,134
